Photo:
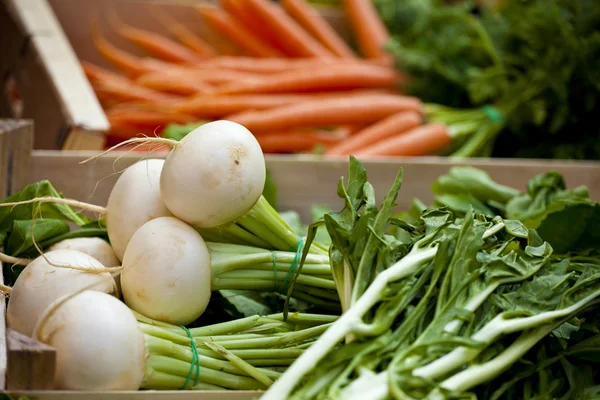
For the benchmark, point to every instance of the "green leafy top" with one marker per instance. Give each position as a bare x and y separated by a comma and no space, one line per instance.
536,61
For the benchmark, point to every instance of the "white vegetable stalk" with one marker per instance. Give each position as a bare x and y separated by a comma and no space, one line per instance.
351,319
489,333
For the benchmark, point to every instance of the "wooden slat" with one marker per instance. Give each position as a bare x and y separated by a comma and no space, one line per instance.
31,364
52,86
16,137
304,180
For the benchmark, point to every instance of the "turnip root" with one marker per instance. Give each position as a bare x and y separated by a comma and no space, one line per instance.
134,200
40,283
166,272
214,176
99,344
92,246
213,180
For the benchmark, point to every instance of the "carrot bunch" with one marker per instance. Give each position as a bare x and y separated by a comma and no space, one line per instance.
290,79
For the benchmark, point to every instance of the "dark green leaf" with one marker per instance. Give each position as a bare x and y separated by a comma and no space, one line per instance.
244,304
20,240
46,210
465,180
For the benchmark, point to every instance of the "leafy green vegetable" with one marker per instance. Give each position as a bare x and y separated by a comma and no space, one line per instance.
524,70
565,218
466,306
20,240
52,223
46,210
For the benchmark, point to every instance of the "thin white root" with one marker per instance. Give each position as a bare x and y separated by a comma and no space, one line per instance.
5,290
5,258
164,141
59,200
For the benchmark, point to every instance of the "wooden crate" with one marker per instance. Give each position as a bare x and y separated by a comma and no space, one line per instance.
43,81
304,180
42,43
301,182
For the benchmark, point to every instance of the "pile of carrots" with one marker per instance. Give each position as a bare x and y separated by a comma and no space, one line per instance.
291,80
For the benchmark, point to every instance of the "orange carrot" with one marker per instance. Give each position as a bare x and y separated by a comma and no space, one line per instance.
291,35
301,11
420,141
295,141
128,91
393,125
327,112
172,83
154,43
277,64
182,33
370,32
150,118
236,33
208,105
240,12
325,78
96,73
209,75
121,59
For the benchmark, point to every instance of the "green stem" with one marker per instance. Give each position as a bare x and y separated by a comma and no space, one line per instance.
233,234
264,232
241,364
266,215
162,347
263,280
177,368
274,340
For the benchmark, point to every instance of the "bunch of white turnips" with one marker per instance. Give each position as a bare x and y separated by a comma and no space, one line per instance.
212,177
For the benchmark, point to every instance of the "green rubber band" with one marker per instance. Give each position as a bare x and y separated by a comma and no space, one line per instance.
295,262
493,113
274,266
195,361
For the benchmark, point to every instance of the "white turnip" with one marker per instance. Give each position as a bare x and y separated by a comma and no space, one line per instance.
96,247
48,278
166,272
134,200
99,344
214,175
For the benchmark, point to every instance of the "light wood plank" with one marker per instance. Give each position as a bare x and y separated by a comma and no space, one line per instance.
16,140
306,180
54,90
30,364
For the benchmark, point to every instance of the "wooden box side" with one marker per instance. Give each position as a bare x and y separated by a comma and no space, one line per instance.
16,138
44,81
306,180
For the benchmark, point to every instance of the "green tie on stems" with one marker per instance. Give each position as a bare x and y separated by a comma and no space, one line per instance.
239,267
243,354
